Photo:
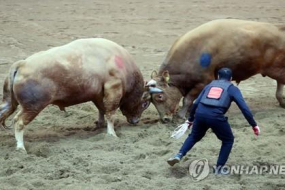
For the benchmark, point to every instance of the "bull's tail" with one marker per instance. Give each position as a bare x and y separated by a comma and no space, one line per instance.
9,105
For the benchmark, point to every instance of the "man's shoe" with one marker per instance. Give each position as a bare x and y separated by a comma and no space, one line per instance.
175,159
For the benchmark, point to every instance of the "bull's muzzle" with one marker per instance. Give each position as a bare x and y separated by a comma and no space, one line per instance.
134,120
166,119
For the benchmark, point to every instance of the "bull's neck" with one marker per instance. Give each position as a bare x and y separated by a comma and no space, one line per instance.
178,81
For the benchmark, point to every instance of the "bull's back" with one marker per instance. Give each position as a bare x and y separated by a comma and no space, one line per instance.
245,46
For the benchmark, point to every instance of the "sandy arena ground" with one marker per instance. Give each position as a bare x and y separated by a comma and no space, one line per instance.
65,153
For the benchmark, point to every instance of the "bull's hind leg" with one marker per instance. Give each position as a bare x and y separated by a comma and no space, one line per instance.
113,92
23,118
19,131
33,96
279,94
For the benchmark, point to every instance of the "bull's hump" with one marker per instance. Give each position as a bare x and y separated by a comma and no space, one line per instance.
95,43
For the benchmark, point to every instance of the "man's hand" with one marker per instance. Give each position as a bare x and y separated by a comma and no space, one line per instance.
256,130
189,123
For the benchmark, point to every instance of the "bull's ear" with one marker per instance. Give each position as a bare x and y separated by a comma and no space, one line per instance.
145,104
166,76
153,74
146,96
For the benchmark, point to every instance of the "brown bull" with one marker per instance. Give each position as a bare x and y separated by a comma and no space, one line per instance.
96,70
247,47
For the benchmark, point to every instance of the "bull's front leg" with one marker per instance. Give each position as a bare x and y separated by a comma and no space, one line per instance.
188,101
181,115
279,94
110,124
101,120
113,92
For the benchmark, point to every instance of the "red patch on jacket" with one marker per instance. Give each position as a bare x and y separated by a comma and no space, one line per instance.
215,93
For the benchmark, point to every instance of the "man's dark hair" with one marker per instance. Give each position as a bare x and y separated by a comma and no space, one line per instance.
225,73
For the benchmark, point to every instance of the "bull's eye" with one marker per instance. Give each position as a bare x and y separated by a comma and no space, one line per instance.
159,97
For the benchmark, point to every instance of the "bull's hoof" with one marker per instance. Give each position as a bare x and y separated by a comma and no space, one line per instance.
112,134
66,114
21,149
4,127
282,105
8,128
99,124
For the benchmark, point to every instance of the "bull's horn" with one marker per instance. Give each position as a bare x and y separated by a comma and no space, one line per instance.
154,90
151,83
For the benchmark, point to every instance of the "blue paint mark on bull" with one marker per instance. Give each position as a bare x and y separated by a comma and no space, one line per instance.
205,60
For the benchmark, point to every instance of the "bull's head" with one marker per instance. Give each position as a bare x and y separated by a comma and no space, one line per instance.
134,105
165,97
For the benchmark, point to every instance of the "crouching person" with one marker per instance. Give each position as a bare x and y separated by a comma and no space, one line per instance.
208,112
